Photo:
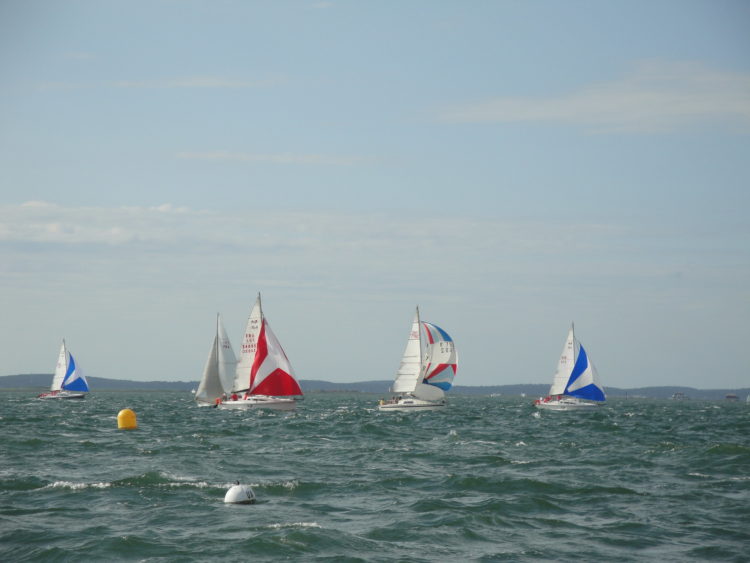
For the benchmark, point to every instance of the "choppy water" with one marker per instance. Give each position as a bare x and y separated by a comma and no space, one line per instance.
488,479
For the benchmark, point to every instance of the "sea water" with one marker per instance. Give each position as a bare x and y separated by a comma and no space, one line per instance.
486,479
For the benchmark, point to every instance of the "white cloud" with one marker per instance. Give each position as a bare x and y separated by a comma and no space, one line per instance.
282,158
657,96
198,82
216,82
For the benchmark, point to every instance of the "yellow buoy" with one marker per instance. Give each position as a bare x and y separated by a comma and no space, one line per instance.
126,420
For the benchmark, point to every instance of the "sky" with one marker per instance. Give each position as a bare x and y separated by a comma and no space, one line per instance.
508,166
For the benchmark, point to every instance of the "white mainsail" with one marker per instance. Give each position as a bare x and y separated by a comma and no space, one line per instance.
410,369
60,369
564,365
227,359
218,372
248,347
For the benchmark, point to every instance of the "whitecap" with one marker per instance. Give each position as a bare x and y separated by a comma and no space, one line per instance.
294,525
77,486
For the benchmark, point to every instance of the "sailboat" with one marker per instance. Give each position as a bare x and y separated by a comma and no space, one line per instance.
264,377
576,382
427,369
218,373
68,381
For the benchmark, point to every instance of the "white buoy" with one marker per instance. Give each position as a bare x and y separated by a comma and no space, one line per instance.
239,494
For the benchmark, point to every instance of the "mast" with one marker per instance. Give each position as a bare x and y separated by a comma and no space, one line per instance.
421,353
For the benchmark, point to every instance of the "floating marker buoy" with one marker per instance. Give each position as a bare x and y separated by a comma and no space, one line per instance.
126,420
239,494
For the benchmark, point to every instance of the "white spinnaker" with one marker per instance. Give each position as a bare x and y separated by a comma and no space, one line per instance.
226,359
410,371
60,369
565,364
248,346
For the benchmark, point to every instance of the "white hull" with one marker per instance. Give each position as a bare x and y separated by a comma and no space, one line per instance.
410,404
260,402
61,395
564,405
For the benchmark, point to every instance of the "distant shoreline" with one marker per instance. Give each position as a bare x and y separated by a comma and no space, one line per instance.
41,381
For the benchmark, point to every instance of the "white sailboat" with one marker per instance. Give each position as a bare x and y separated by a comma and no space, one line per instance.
218,373
576,382
264,377
427,369
68,381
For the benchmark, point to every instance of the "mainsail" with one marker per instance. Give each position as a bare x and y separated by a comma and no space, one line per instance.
226,357
60,369
248,346
409,370
218,373
576,376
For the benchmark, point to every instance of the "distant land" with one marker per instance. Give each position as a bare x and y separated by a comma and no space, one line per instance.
39,381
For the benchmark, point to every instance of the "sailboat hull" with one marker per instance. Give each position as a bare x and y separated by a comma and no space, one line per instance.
260,402
566,404
410,404
61,395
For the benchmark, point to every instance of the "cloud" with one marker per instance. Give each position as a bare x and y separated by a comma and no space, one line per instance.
283,158
332,250
362,237
198,82
188,82
656,96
